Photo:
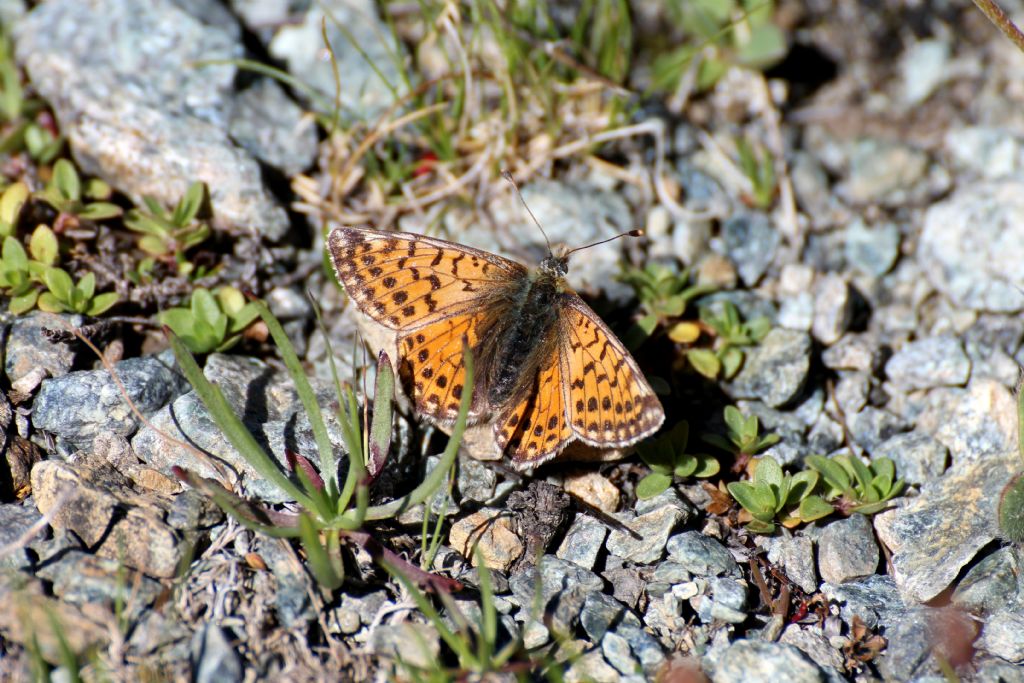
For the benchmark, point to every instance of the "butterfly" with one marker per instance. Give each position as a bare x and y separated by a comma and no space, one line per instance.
549,371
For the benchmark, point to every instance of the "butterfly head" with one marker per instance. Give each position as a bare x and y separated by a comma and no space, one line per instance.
556,263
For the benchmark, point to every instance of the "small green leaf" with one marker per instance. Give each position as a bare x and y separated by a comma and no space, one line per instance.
686,465
102,303
707,467
758,501
24,303
803,484
153,245
767,472
14,255
43,245
832,471
98,211
49,303
732,361
705,362
86,287
205,308
59,283
188,208
652,485
65,179
814,507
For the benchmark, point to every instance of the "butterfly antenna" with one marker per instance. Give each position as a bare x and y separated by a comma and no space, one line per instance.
508,176
628,233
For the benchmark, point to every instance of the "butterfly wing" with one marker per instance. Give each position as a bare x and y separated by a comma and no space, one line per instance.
405,281
435,294
609,402
535,428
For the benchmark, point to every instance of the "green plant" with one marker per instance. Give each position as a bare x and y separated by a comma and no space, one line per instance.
11,202
731,334
721,33
760,171
663,293
168,235
742,434
327,515
667,457
66,194
1010,514
18,113
211,322
19,274
856,487
65,296
771,494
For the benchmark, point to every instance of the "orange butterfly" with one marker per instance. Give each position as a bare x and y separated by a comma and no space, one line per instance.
549,372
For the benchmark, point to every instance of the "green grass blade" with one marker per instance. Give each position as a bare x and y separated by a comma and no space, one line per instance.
237,434
319,561
306,395
433,481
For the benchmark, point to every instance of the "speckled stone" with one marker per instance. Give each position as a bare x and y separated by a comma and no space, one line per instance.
847,550
775,370
756,661
927,363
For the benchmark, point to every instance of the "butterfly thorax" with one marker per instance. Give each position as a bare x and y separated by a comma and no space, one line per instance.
529,329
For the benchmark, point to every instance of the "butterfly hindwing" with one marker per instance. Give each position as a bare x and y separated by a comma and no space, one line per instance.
404,281
609,402
534,428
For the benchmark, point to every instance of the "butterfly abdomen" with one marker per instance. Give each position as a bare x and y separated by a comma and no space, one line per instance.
526,341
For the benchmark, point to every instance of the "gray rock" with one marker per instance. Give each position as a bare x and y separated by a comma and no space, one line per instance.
873,426
1003,635
872,251
994,583
583,541
972,245
476,481
884,172
874,599
796,555
616,652
992,670
924,66
417,644
80,578
754,661
271,127
724,601
15,522
364,50
31,351
137,112
851,391
974,424
919,458
775,370
927,363
79,405
269,409
555,576
644,647
985,151
833,309
847,550
796,312
599,612
292,583
572,213
940,531
915,637
858,352
750,242
813,643
213,659
654,529
701,555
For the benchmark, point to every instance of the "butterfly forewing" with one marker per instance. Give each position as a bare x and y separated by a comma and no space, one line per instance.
404,281
431,368
609,402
